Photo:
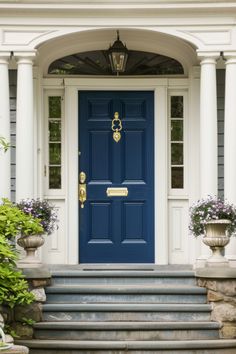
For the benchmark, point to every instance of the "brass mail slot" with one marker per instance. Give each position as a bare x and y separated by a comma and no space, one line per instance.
117,192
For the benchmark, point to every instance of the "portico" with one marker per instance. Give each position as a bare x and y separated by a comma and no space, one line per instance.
31,54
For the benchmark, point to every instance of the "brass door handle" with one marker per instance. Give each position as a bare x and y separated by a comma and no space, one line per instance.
82,189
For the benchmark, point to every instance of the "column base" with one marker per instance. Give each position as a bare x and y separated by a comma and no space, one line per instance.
24,263
201,261
232,260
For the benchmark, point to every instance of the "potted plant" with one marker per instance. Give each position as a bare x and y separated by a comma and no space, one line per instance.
45,214
14,222
3,344
31,238
214,218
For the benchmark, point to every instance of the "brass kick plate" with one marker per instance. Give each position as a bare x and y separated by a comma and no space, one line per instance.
117,192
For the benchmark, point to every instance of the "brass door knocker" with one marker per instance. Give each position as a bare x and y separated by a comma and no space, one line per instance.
116,127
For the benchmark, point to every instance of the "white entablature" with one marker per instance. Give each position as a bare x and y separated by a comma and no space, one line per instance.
26,25
81,4
20,38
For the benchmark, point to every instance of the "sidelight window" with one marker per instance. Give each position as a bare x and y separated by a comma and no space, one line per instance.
177,157
54,127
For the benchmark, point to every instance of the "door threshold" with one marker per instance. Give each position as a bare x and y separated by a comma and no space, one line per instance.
114,267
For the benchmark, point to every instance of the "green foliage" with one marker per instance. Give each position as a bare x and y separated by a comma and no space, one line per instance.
8,253
14,289
10,219
9,330
31,226
4,145
28,321
2,344
13,221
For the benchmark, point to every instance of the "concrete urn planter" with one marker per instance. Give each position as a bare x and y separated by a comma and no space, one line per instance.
216,238
3,344
30,244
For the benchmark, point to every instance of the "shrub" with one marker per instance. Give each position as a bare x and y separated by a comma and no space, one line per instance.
14,222
13,289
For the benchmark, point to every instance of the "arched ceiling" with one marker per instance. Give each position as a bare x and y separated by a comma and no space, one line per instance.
97,62
135,39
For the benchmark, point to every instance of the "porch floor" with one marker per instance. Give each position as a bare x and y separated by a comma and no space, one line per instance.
114,266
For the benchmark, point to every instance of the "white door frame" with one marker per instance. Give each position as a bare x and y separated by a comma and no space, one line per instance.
160,87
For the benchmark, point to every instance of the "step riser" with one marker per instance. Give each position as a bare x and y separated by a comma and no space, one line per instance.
122,280
126,334
122,298
125,316
160,351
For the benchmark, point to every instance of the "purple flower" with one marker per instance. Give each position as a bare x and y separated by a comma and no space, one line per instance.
211,208
42,210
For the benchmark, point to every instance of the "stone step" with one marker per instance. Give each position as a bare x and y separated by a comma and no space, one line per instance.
126,330
132,347
125,293
126,312
121,276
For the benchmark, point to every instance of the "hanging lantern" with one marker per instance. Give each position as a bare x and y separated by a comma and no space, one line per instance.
118,55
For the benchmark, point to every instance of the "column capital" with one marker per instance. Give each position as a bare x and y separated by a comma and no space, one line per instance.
208,57
5,57
230,57
25,57
229,53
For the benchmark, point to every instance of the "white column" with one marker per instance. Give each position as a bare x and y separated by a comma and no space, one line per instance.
5,167
208,128
194,244
208,135
24,127
230,143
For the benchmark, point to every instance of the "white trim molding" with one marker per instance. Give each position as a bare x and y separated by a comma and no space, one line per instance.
72,87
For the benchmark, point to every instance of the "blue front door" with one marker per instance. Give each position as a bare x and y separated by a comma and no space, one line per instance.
117,220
